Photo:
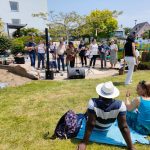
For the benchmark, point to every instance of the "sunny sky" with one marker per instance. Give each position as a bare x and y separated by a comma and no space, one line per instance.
132,9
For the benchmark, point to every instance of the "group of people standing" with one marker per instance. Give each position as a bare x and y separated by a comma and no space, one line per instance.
94,51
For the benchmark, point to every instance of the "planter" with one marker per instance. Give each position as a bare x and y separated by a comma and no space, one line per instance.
19,60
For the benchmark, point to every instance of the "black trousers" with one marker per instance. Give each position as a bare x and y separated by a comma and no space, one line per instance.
93,60
83,60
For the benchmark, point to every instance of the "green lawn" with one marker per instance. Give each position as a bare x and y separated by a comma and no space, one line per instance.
28,111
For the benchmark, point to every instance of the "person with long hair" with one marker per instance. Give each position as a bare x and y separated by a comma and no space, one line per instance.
71,54
130,58
138,116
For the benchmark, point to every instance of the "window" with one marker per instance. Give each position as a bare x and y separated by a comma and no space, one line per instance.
16,21
14,6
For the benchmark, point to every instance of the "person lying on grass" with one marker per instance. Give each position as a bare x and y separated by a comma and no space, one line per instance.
102,113
138,115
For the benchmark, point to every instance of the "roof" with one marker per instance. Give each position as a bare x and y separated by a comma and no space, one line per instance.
15,26
138,27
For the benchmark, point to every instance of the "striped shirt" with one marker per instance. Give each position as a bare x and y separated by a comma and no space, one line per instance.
106,113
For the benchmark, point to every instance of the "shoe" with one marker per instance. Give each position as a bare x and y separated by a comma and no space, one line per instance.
93,67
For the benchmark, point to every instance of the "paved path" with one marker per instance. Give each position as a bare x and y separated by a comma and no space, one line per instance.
91,73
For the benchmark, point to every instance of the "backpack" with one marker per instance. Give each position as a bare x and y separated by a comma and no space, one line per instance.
68,126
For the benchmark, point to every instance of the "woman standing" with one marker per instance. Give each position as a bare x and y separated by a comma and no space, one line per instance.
60,55
130,55
71,54
41,53
113,53
93,52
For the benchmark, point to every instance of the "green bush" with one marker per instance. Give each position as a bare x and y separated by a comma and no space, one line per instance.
144,66
5,43
17,46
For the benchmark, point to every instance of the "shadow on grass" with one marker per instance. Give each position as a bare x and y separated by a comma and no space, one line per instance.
47,136
118,83
77,141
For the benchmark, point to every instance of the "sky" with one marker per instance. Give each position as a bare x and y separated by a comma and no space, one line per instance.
132,9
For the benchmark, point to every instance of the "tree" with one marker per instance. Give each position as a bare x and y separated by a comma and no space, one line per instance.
26,32
62,24
5,43
146,35
102,23
1,27
127,30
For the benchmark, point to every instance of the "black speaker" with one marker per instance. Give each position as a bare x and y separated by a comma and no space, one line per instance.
76,73
19,60
49,74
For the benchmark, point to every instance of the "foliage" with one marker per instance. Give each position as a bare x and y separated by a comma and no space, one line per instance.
5,43
25,116
17,46
127,30
26,32
103,22
144,66
146,35
1,27
61,24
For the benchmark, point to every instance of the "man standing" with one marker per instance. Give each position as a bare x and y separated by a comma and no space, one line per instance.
31,48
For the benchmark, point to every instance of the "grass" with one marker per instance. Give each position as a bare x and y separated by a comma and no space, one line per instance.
28,111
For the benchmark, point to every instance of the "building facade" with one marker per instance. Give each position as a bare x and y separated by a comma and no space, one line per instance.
140,28
17,12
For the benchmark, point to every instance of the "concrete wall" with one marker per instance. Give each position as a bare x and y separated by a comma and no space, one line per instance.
26,9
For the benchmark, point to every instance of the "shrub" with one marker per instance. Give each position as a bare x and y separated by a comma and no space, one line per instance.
17,46
144,66
5,43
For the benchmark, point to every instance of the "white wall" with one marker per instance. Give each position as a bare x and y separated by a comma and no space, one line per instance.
26,9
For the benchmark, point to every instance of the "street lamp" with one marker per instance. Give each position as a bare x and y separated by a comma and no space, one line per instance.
135,22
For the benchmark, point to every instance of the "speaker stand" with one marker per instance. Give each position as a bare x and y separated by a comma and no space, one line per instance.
89,71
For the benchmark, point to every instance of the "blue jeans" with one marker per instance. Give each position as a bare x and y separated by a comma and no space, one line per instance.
41,57
103,60
61,58
32,57
53,64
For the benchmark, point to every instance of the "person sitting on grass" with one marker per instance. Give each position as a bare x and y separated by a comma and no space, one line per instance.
138,116
102,113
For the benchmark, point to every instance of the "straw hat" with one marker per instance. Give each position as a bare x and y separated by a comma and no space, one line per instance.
107,90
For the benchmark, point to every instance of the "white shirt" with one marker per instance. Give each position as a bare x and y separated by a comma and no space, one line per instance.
61,50
94,49
41,48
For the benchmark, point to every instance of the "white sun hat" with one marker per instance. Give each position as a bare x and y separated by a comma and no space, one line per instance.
107,90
